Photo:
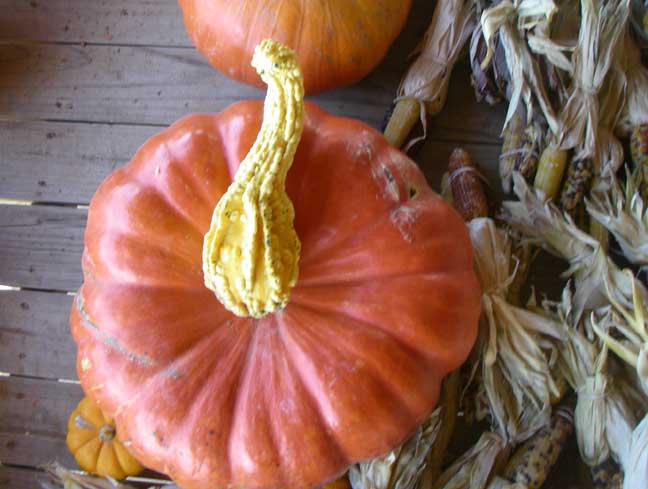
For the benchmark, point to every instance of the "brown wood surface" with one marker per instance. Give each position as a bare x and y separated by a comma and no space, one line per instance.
34,414
41,246
148,22
35,335
83,84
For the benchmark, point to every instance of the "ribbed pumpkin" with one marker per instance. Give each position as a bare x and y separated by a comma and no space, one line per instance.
385,303
337,42
92,439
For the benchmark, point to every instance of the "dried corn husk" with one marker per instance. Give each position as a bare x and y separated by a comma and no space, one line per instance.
514,345
491,83
533,460
621,209
62,478
604,418
636,464
499,483
635,111
473,468
512,147
598,280
510,19
426,80
601,29
400,468
630,326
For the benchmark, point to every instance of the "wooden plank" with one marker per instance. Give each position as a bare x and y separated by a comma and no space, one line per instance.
34,335
41,246
33,420
20,477
141,85
63,162
95,21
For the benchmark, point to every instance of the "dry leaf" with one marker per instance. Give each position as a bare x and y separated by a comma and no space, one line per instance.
401,468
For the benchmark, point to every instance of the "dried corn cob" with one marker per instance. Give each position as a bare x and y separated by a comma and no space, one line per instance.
639,147
531,463
512,145
579,176
528,158
607,475
468,194
550,171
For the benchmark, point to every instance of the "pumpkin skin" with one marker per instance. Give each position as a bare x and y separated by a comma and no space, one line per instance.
92,439
385,305
337,42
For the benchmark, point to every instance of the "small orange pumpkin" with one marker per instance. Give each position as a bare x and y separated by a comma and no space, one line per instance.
92,439
337,42
297,383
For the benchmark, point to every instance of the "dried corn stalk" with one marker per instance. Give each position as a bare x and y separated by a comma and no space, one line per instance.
472,470
449,401
636,463
510,19
515,344
400,468
426,80
600,31
623,212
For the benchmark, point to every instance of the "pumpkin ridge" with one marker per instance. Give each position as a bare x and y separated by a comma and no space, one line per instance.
153,247
369,279
312,400
321,310
297,338
205,196
187,217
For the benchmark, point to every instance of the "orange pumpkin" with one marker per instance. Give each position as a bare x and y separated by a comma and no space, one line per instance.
337,42
385,304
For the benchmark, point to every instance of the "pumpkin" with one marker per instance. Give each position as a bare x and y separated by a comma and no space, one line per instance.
92,438
337,42
252,324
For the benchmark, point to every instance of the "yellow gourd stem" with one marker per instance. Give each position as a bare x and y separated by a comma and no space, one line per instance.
251,252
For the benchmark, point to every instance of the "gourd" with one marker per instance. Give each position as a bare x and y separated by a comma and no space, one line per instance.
337,42
270,293
92,438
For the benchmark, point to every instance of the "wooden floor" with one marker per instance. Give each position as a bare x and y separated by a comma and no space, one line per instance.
83,83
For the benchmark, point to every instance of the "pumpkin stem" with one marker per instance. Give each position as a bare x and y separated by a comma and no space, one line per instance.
106,433
251,252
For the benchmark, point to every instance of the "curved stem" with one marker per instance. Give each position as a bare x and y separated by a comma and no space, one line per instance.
251,252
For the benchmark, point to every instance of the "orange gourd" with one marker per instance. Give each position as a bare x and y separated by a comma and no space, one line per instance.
340,368
337,42
92,439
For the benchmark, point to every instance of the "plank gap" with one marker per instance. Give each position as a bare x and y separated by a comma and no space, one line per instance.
12,288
